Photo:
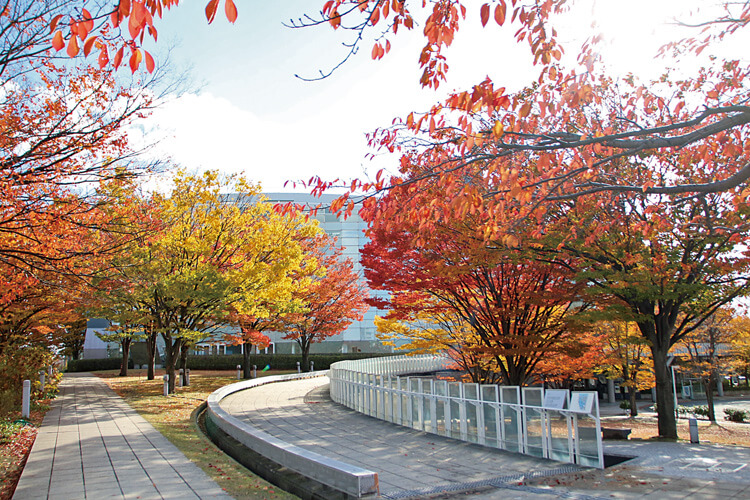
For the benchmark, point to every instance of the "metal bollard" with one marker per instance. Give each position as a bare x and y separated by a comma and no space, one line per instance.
179,378
255,371
693,424
312,366
26,403
298,369
239,374
41,380
166,385
187,377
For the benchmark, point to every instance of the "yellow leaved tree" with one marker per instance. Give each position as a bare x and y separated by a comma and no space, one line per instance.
219,249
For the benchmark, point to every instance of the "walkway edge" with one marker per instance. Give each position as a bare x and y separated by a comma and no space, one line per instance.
353,481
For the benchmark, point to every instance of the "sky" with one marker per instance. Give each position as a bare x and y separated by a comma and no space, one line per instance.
249,113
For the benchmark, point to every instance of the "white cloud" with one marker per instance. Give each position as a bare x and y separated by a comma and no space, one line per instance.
202,131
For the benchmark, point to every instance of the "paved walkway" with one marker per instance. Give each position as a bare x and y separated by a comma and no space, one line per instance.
409,463
414,464
92,446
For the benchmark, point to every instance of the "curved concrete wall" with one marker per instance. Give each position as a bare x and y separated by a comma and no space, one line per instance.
352,481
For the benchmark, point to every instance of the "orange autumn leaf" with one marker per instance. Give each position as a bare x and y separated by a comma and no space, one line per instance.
231,10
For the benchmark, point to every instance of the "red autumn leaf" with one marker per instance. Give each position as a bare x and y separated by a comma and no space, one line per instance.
375,16
115,18
335,20
484,14
124,8
53,23
57,41
103,57
135,60
149,62
231,10
211,10
73,46
500,13
118,58
89,45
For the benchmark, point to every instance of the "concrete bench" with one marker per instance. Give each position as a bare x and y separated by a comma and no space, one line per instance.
615,433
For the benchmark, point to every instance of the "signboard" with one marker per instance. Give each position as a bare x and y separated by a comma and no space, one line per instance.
555,399
582,402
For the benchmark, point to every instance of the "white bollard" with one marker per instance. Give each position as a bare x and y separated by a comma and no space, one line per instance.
312,366
239,373
166,385
255,371
694,431
26,403
298,369
179,378
187,377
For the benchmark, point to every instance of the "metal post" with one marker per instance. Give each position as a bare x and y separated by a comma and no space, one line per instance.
298,369
239,375
166,385
26,403
674,392
312,366
255,371
187,377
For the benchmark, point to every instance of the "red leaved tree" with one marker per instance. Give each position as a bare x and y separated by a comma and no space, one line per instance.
331,296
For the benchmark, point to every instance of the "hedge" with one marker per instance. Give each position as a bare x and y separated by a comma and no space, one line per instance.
275,361
230,361
89,365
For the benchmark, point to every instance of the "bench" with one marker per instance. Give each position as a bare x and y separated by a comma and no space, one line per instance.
615,433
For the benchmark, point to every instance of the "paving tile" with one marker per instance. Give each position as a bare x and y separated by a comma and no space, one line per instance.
90,436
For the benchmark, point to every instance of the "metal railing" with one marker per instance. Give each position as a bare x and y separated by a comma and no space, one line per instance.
554,424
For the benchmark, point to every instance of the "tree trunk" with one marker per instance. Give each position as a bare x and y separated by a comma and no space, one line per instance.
709,385
247,372
172,354
151,354
664,396
633,405
184,349
125,343
305,348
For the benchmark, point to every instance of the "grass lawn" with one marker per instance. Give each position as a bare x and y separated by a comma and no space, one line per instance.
172,417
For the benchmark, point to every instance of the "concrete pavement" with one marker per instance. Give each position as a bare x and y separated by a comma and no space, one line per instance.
413,464
92,446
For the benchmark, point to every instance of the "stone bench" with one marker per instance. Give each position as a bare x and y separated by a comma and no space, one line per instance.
615,433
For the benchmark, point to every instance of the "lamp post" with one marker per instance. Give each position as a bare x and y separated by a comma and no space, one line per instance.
670,360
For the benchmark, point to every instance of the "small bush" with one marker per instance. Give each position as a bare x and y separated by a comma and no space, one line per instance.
735,415
701,410
625,404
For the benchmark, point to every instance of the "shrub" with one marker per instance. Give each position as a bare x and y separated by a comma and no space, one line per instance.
625,404
701,410
17,365
735,415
